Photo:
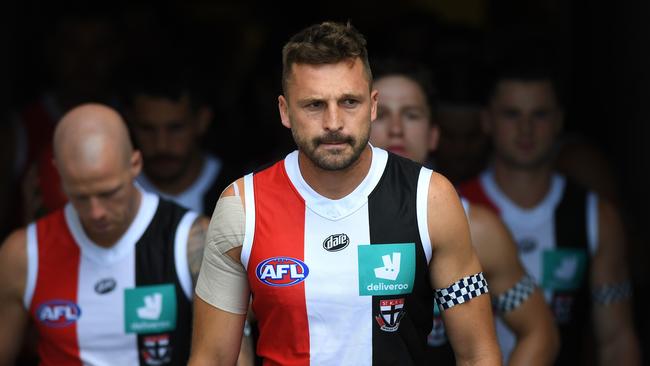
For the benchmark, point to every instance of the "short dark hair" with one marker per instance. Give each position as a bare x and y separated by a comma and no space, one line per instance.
417,72
526,71
324,43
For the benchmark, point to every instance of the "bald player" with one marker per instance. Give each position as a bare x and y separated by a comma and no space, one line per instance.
108,279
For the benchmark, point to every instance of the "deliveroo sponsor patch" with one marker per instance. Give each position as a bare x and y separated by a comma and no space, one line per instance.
150,309
564,268
386,269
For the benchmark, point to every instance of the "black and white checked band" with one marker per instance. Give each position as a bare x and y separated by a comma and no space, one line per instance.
611,293
461,291
515,296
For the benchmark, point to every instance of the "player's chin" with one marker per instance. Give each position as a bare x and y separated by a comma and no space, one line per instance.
337,161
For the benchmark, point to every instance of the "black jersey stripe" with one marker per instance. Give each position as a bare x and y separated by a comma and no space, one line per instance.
393,219
571,232
155,265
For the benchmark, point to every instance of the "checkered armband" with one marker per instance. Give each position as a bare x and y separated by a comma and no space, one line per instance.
461,291
611,293
515,296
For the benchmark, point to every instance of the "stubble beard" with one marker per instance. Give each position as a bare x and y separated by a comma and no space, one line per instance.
332,160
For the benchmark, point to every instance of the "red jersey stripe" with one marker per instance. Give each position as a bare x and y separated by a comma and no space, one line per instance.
280,306
474,192
54,307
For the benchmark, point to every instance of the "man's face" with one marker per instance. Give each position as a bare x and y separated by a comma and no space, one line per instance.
168,133
103,195
329,108
523,118
403,123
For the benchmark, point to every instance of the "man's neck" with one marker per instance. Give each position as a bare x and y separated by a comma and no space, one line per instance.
338,183
525,187
185,181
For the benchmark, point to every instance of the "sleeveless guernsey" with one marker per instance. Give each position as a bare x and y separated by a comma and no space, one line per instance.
125,305
340,282
555,240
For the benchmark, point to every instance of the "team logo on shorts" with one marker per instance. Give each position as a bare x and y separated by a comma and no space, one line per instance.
282,271
156,350
390,313
58,313
336,242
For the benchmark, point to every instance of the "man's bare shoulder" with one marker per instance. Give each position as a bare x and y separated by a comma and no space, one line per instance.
447,221
494,245
236,188
488,229
201,223
13,262
440,188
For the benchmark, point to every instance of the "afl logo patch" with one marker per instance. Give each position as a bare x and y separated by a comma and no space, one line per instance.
105,286
281,271
336,242
58,313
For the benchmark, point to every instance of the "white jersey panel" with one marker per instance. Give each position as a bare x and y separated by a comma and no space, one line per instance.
100,328
334,275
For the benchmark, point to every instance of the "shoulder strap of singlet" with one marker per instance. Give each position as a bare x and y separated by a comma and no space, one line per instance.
32,265
249,198
422,206
180,252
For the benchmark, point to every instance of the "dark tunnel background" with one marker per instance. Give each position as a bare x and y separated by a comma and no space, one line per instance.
599,48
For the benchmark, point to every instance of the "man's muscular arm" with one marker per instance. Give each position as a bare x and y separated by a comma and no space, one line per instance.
469,325
615,334
531,320
13,275
219,317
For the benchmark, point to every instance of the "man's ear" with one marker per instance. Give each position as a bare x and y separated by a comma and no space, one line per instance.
136,163
374,97
283,106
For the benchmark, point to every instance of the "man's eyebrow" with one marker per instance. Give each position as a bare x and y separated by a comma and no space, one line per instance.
351,96
308,100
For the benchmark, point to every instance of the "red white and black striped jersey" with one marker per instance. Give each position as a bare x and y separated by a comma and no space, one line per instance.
556,240
124,305
340,282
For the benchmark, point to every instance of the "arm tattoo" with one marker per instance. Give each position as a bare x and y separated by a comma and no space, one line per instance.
195,245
